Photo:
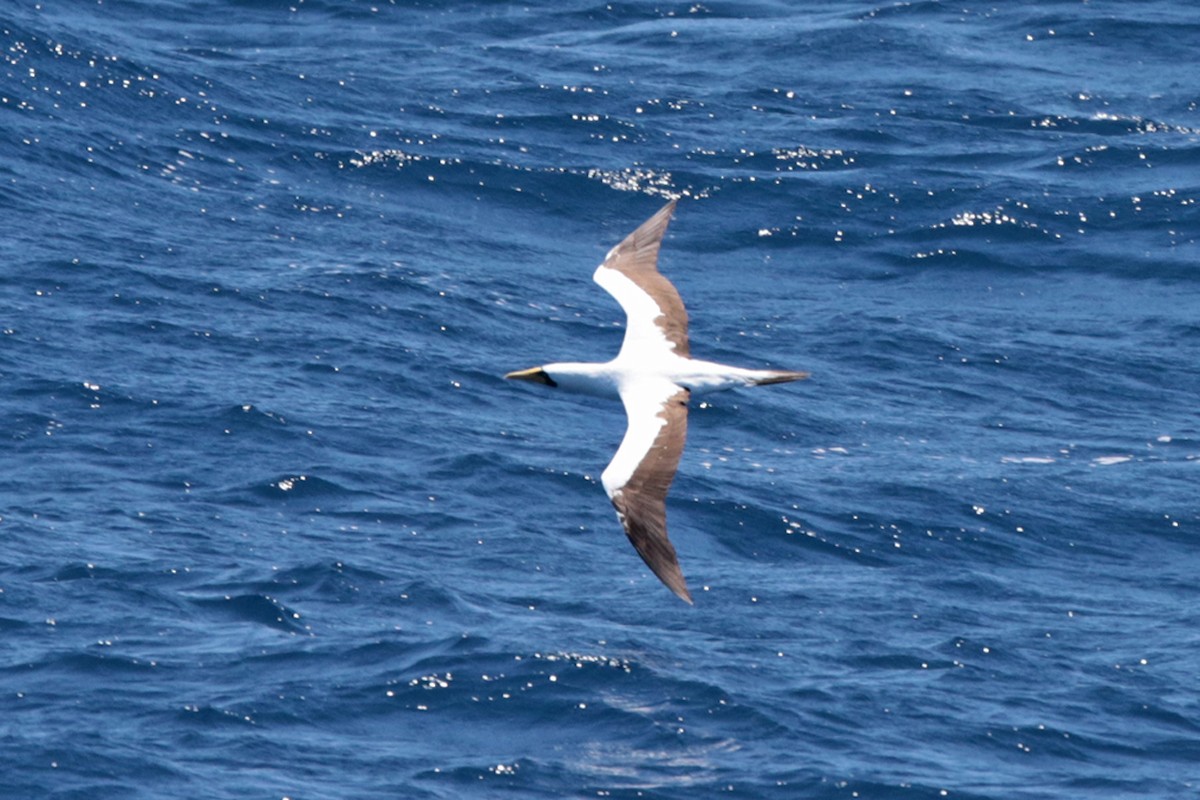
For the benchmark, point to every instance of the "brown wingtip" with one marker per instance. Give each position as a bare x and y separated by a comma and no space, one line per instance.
661,559
648,534
658,223
685,596
672,578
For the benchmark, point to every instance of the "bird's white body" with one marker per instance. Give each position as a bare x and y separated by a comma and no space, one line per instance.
612,378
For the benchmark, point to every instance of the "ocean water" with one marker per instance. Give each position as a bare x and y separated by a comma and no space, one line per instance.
272,525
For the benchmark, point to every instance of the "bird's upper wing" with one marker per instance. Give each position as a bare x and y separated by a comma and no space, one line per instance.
654,313
638,477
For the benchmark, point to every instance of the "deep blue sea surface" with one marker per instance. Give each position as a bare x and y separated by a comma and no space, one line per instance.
272,525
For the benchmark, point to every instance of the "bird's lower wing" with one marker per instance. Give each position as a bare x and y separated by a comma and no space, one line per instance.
640,474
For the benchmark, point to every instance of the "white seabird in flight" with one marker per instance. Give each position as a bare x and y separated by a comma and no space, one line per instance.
654,375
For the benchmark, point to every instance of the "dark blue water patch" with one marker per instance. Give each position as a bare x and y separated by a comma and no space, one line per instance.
92,770
337,581
306,488
248,420
256,609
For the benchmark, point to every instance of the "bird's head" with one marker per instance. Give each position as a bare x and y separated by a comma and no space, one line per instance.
533,375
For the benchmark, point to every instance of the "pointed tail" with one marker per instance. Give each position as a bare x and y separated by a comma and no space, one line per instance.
766,377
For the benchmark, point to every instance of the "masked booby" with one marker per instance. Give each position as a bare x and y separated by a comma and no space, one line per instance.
654,376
